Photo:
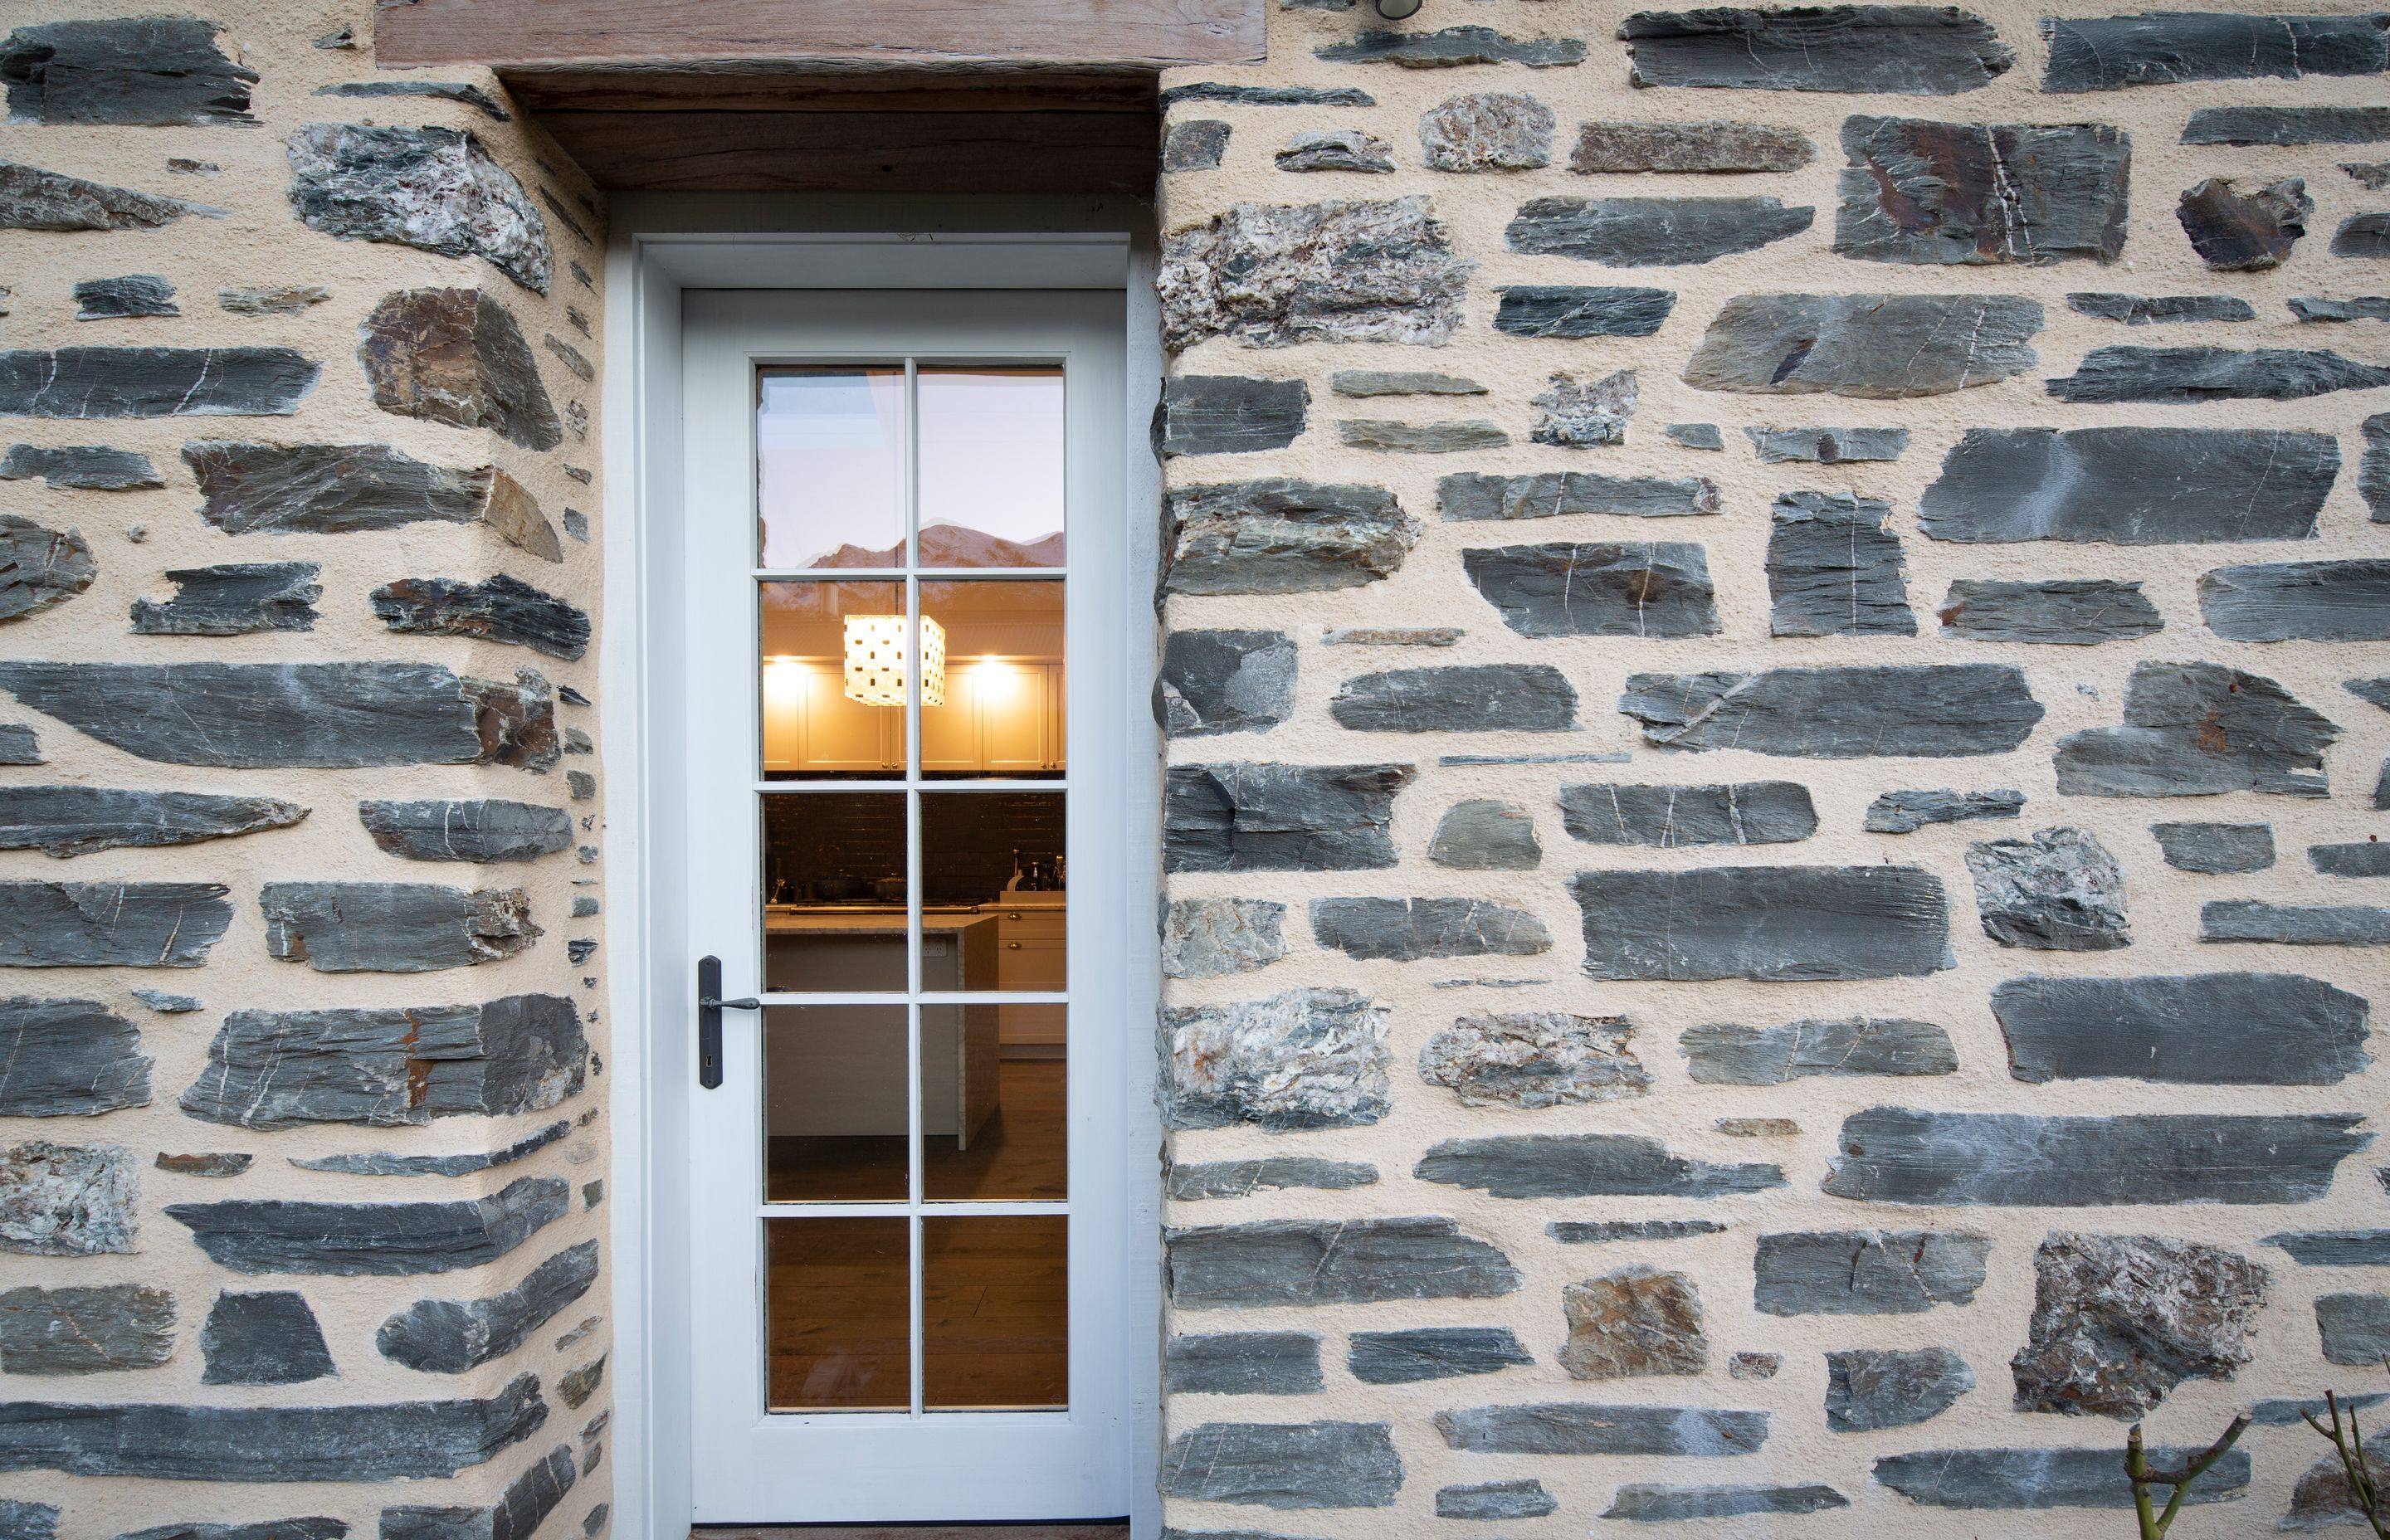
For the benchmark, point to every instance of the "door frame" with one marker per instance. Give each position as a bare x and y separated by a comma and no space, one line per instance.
660,245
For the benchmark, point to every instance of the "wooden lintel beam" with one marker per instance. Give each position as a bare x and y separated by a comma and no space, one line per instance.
848,91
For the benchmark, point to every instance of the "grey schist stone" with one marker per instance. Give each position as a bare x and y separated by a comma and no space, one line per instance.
147,71
2092,1476
2120,1320
1652,232
387,1164
19,744
1666,817
2362,236
77,820
1483,698
451,1335
1870,1388
1484,835
129,297
385,1066
456,356
1777,923
2357,858
269,1338
1281,536
1471,498
1274,275
2374,468
2110,53
1557,310
1280,818
1600,1232
1304,1059
1585,1165
271,300
2245,231
2059,890
1641,588
1308,1262
26,1520
1302,1465
111,924
62,1059
2316,308
2204,1029
1335,150
1401,382
1406,930
393,927
2149,309
40,569
1207,1179
1714,145
442,90
1871,346
2284,1411
2334,1248
211,1164
1907,812
1228,415
1918,191
500,609
90,468
1696,435
2288,125
1213,938
86,1330
2355,1328
1867,1272
1433,1352
1826,445
1902,1155
2313,601
1653,1503
1452,46
1515,1500
232,600
339,489
2050,612
32,198
436,190
2130,486
380,1239
1908,50
2188,376
1835,569
1196,146
2216,847
1486,131
1593,1427
1723,1054
520,1509
1584,414
373,1441
92,383
1242,1362
297,715
1420,437
1635,1322
1535,1060
67,1199
481,830
2293,925
1267,95
1926,711
2199,729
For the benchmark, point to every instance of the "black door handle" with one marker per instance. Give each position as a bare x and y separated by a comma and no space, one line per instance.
710,1006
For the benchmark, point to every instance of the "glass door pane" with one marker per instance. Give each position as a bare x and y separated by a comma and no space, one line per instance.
991,450
830,466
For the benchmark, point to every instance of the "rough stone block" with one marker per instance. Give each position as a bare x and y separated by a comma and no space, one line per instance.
67,1200
2130,486
1835,569
1284,1465
1281,536
1585,1165
2311,601
1486,131
2199,729
1652,232
1653,1503
2293,925
1406,930
1867,1272
1886,347
1305,1059
436,190
1723,1054
1907,50
1453,46
1484,835
456,356
387,1164
90,468
26,1520
1420,437
1280,818
1778,923
1483,499
2251,232
2058,892
1868,1389
1401,382
232,600
501,608
2111,53
1714,145
1310,1261
451,1335
32,198
1666,817
1195,145
1565,311
340,489
271,1339
86,1330
212,1164
2147,310
1433,1352
2194,376
517,1515
91,383
77,820
68,1059
1483,698
1641,588
2374,468
2216,847
1826,445
2287,125
393,927
2355,1328
1266,95
1213,938
1907,812
1925,712
1242,1362
2119,1321
1515,1500
150,71
2091,1476
1228,415
481,830
1593,1427
2356,858
1918,191
1335,272
376,1240
2315,308
1635,1322
1532,1059
1602,1232
2055,612
111,924
1575,413
128,298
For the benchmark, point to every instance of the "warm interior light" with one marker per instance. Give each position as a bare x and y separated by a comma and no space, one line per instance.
874,661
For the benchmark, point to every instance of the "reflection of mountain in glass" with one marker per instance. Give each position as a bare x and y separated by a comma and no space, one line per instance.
952,545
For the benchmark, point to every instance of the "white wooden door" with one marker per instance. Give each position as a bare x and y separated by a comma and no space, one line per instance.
907,1192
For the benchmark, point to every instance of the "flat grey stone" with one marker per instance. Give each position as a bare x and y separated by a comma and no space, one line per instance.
131,296
1199,1180
61,1059
1280,818
2313,601
435,189
2188,376
1926,712
1486,131
2145,310
2288,125
1885,347
1284,1466
1599,1232
27,1521
517,1515
1433,1352
451,1335
2355,1328
1696,435
1777,923
2216,847
40,569
1228,415
19,744
2199,729
1607,588
393,927
234,599
442,90
271,300
1452,46
1401,382
1585,1165
86,1330
389,1066
1335,272
2130,486
270,1339
1281,536
2374,468
1304,1059
1534,1059
1471,498
1638,1322
1595,1428
384,1163
456,356
1407,930
1940,193
500,609
67,1199
2356,858
1910,50
371,1240
1311,1261
2059,890
111,924
1420,437
1390,635
1515,1500
1242,1362
2205,1029
1902,1155
1336,149
2334,1248
1482,835
2110,53
2316,308
1213,938
2092,1476
2245,231
1826,445
1267,95
1907,812
2363,236
77,820
2372,175
97,382
272,1529
1195,145
340,489
1668,817
2283,1412
90,468
1653,1503
1723,1054
32,198
1482,698
1867,1272
149,71
211,1164
1714,145
1575,413
2294,924
481,830
1835,569
1652,232
2052,612
2120,1321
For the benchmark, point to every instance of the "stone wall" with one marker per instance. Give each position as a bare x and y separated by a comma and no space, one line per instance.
302,1142
1774,673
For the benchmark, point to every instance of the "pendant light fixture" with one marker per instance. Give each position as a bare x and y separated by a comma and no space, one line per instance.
874,661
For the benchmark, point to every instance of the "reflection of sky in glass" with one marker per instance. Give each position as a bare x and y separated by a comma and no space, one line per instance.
830,451
992,462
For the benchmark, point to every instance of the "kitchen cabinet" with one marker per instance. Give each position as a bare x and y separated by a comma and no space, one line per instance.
999,718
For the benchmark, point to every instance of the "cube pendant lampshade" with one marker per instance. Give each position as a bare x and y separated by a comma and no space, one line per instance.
874,661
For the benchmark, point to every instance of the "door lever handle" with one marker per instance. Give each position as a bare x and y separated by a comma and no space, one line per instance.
710,1006
745,1002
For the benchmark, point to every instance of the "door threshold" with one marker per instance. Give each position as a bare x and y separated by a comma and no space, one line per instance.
1099,1529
